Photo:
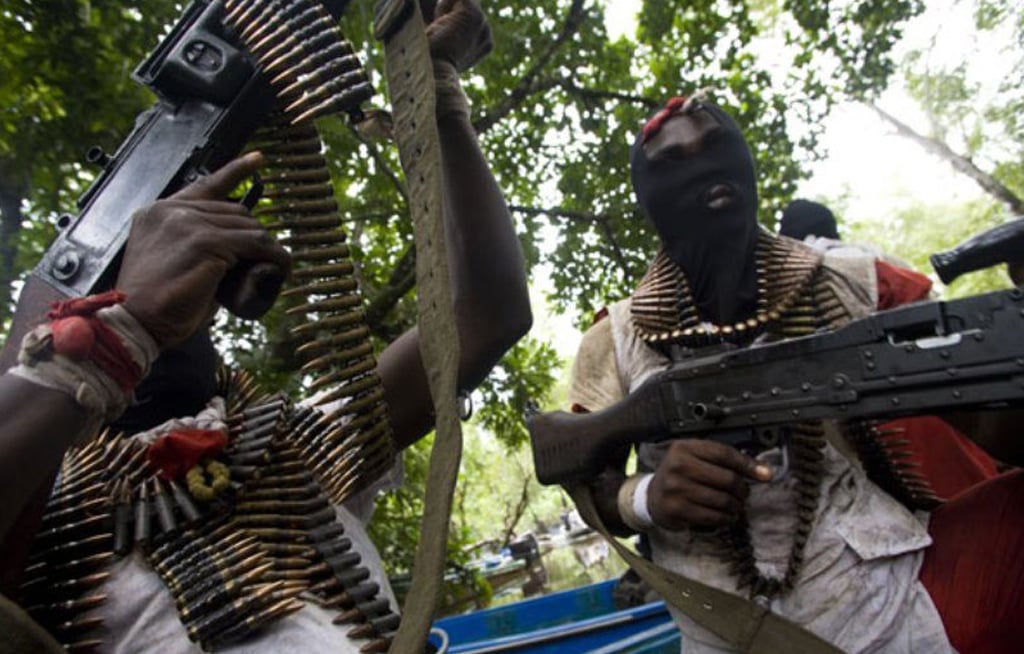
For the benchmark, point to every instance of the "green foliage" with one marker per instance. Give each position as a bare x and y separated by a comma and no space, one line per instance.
520,383
918,231
64,86
556,105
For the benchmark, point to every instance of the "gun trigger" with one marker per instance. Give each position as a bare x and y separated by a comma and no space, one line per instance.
253,195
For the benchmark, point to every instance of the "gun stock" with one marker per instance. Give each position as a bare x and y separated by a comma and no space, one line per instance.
570,447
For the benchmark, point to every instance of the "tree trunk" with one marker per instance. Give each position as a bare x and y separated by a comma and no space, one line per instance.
962,164
10,228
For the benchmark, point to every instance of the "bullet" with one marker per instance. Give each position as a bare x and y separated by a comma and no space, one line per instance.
377,645
348,579
337,86
78,585
61,532
350,597
375,627
297,507
251,623
301,479
363,610
307,77
142,517
324,287
61,516
184,502
314,60
341,102
251,569
83,646
297,45
219,595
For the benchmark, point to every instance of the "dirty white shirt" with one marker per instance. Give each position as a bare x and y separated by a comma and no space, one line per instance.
140,616
859,586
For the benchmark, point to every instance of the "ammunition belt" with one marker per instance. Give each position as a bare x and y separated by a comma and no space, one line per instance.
233,564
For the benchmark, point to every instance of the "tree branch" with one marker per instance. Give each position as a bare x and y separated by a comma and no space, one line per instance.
403,278
382,164
529,84
603,220
599,94
962,164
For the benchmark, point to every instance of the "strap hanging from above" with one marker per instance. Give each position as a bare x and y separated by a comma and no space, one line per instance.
410,74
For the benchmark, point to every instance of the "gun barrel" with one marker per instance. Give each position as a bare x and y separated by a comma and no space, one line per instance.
1002,244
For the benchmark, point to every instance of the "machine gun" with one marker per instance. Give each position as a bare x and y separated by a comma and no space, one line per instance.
214,91
921,358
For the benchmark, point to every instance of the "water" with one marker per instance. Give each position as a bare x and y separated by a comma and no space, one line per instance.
585,561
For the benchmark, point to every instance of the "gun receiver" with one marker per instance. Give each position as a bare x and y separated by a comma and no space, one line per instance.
917,359
212,97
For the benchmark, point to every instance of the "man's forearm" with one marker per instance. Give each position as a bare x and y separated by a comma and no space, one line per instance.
487,271
487,278
605,489
39,426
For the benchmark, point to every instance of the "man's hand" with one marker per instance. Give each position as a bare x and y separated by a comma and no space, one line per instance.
457,31
180,248
701,483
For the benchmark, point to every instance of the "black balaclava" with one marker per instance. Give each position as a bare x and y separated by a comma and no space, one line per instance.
803,218
714,247
180,383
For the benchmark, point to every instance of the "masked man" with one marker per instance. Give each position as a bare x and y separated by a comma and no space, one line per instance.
828,546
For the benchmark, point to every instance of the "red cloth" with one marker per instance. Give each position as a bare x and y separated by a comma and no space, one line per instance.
949,461
898,286
80,335
653,126
974,571
177,452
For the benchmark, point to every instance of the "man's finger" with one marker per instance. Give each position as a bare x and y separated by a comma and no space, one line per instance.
225,207
730,457
218,184
254,245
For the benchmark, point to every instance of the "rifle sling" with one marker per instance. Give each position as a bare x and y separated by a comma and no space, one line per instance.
745,625
410,76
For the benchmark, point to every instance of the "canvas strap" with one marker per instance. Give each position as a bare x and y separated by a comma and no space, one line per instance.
745,625
409,69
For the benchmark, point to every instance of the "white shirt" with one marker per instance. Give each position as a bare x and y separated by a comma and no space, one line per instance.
858,588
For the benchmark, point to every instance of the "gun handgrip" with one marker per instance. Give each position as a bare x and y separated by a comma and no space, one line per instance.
250,289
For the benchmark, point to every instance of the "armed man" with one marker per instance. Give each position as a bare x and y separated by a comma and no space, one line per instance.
811,533
153,561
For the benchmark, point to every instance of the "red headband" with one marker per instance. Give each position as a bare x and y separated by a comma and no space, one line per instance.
655,123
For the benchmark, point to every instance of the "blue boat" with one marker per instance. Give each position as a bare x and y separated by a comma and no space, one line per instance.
579,620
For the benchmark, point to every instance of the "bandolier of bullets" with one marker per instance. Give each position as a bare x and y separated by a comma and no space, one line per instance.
664,313
72,549
232,564
276,535
887,460
316,72
794,299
